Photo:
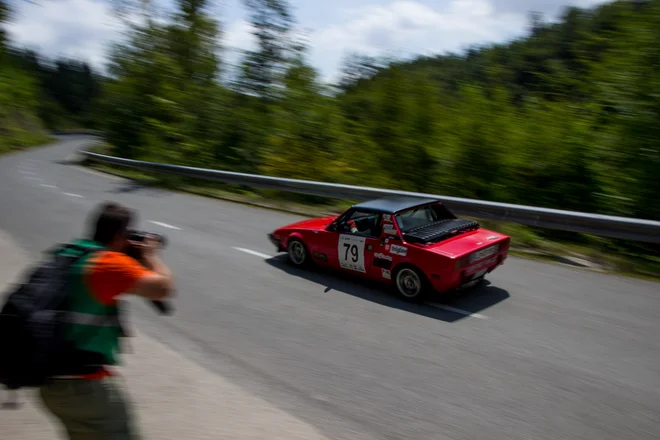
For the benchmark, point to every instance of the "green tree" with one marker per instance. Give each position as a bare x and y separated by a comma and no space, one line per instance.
262,69
19,97
629,85
306,133
162,101
4,17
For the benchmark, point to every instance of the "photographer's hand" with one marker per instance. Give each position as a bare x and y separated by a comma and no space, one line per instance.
150,257
159,284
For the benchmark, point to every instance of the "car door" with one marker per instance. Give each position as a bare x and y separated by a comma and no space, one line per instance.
354,249
382,257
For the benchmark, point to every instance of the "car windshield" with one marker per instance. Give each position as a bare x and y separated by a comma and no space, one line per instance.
422,215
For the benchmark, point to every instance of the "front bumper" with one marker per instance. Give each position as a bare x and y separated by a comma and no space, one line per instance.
276,242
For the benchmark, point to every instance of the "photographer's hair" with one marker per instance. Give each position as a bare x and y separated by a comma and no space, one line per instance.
111,220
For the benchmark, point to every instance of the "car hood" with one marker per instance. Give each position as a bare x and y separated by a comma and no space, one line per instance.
466,243
314,223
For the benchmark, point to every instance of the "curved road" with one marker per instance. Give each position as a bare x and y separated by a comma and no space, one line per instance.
543,352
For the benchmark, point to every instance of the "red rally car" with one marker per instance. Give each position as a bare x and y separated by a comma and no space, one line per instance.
417,245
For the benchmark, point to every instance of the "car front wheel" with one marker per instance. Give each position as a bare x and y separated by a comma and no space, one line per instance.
297,252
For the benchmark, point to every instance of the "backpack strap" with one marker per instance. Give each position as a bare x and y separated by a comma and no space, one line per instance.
84,251
71,317
61,247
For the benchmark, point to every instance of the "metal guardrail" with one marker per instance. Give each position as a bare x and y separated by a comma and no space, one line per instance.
595,224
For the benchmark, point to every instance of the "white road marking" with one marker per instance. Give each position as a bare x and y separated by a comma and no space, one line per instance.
73,195
165,225
33,178
27,172
249,251
462,312
48,186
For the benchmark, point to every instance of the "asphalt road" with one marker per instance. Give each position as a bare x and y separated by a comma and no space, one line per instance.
543,352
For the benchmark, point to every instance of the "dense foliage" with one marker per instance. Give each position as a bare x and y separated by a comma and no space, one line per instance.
38,93
567,117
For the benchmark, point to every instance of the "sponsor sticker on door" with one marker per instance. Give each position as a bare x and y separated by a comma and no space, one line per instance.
399,250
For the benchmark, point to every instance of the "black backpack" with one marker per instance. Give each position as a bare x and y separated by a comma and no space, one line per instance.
32,319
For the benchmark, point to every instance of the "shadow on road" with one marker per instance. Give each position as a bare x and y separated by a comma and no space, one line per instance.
134,185
128,185
67,161
473,301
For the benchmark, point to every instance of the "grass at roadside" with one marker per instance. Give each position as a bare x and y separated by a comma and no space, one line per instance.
594,252
20,129
22,141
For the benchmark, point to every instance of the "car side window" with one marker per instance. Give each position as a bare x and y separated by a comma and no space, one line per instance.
360,223
416,217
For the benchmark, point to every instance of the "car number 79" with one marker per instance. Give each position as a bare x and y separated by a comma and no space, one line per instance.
351,252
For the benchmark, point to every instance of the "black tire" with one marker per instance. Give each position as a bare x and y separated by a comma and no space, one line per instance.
410,284
297,253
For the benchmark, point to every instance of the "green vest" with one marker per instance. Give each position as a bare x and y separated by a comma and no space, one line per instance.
92,326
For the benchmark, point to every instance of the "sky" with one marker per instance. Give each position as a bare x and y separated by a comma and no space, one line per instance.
400,28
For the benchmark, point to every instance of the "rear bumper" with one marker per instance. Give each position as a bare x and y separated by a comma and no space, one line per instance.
466,276
482,268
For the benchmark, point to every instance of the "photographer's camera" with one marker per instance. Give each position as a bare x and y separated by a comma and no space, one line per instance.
136,239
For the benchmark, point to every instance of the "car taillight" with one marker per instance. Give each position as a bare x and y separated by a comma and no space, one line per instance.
461,262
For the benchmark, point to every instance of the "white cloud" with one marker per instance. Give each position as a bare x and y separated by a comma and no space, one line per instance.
401,22
238,36
77,28
407,26
84,28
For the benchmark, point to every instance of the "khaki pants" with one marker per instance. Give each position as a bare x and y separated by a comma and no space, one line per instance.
90,409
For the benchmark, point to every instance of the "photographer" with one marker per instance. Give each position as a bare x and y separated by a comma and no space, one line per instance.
87,398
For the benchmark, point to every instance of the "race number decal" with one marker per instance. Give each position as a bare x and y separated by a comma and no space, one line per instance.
351,252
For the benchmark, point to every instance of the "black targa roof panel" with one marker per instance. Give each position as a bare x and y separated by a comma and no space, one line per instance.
394,204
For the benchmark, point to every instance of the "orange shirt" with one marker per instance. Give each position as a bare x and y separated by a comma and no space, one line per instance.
109,274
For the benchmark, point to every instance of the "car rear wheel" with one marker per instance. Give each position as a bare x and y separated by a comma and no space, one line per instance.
298,253
411,284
